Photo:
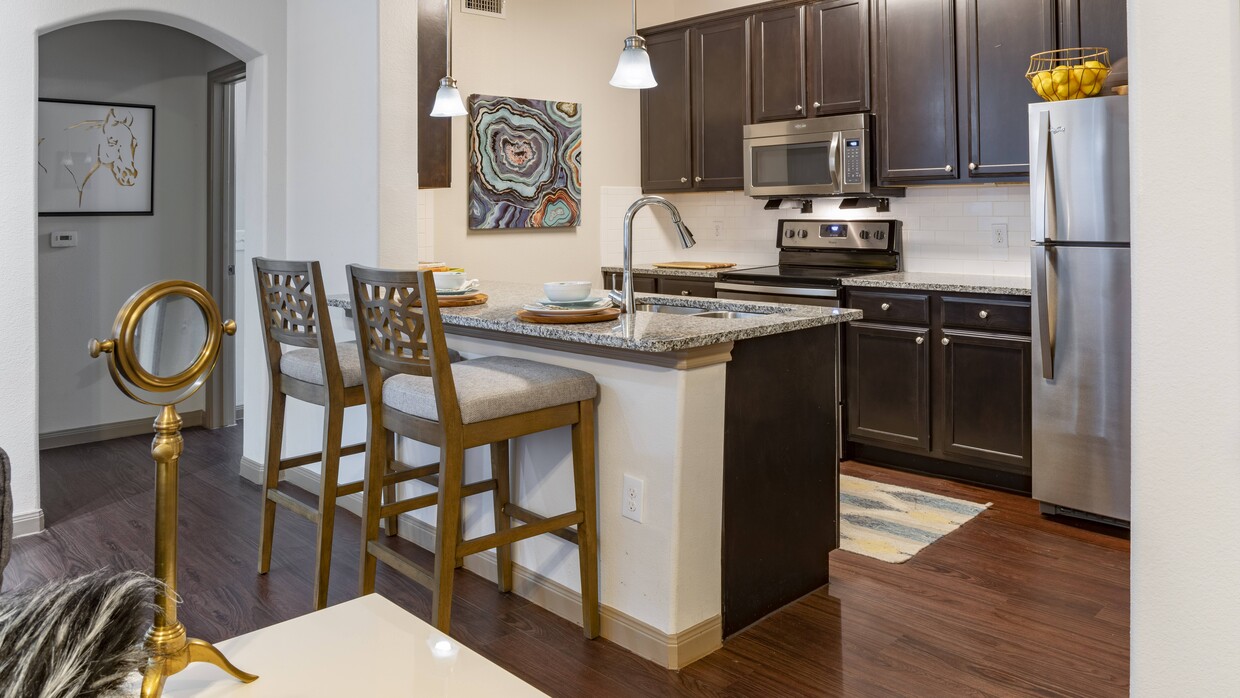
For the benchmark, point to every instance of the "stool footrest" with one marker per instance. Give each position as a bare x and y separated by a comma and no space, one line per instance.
529,517
511,535
317,456
401,564
294,505
405,474
350,488
431,499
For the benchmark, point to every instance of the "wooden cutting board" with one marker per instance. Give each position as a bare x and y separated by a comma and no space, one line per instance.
694,265
601,316
458,301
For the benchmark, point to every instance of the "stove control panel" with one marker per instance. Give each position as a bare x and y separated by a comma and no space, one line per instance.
867,236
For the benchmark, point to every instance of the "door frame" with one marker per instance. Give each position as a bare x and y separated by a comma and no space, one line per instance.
221,394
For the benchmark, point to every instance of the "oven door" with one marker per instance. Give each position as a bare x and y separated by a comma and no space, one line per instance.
793,165
826,297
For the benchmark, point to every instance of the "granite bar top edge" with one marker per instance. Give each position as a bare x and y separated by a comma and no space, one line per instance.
937,281
651,270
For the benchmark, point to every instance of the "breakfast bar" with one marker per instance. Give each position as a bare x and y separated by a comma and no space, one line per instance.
717,463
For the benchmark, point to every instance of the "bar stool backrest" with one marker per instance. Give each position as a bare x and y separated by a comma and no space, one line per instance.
399,329
293,308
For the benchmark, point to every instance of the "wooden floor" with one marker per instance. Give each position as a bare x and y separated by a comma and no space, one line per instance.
1010,604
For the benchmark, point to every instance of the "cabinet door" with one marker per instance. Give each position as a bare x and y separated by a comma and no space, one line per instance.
686,287
986,412
666,137
779,64
839,57
999,36
720,79
1095,23
614,281
888,376
917,90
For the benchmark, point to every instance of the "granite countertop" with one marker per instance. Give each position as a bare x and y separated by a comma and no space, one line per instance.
651,270
932,281
646,332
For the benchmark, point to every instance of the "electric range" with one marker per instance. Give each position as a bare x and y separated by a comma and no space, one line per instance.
814,257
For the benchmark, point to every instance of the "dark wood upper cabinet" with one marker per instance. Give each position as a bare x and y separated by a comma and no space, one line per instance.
667,163
778,51
839,57
888,385
987,406
997,39
720,81
434,133
1095,23
916,65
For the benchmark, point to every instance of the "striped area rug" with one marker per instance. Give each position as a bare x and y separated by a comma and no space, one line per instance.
892,523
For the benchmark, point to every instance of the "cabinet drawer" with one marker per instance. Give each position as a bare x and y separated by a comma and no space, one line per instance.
891,307
686,287
985,314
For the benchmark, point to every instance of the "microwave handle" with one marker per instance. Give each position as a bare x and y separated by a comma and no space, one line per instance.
834,161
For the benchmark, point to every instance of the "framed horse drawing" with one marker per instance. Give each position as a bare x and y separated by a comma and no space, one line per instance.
95,159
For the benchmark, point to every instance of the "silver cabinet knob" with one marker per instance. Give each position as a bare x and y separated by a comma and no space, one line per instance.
945,341
947,168
920,340
816,105
983,314
684,293
697,179
684,179
800,108
972,166
885,306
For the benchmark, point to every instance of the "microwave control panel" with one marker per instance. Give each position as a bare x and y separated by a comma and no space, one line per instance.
853,173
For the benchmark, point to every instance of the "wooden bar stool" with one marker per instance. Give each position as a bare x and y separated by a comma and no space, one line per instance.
293,307
456,407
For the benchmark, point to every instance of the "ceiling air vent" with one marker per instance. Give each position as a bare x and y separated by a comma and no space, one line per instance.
486,8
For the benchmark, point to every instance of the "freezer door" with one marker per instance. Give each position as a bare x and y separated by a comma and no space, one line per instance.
1082,353
1078,178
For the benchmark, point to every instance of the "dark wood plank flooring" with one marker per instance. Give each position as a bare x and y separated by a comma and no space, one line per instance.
1011,604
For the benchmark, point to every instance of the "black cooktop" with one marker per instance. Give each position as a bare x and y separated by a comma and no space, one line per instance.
801,275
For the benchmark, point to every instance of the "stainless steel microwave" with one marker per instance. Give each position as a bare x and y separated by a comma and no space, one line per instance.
826,156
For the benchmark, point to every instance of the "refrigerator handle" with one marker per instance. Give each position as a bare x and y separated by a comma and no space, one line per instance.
1043,183
1046,309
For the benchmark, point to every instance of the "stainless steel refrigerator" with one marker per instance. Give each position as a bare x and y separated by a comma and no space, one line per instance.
1082,307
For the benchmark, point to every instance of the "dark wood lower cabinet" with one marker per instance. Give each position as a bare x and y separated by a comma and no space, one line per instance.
949,397
614,281
670,285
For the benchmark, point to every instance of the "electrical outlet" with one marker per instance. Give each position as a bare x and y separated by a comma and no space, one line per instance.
631,501
718,228
63,238
998,235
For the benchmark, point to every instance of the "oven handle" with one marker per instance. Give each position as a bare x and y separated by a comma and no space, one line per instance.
779,290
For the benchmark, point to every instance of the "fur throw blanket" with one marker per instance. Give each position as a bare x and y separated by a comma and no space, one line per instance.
76,637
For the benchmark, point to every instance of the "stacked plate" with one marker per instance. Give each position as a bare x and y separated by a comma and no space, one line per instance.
468,291
549,308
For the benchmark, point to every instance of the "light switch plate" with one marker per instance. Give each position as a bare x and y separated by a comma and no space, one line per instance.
63,238
631,499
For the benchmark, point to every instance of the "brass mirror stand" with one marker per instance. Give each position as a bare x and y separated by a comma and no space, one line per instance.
170,646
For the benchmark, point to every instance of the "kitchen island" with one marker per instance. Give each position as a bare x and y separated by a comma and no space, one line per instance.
727,426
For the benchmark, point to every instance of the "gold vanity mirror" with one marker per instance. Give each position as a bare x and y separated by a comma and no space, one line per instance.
165,343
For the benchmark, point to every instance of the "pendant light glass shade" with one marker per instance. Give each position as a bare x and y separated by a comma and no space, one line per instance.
448,99
633,70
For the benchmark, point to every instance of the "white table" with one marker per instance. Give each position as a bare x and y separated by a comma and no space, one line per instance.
364,647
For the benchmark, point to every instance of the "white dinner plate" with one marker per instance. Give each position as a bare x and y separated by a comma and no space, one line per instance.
543,310
596,301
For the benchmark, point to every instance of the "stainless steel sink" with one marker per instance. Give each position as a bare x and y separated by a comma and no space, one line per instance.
669,309
730,314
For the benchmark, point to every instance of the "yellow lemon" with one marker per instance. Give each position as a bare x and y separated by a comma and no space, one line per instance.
1093,89
1061,91
1060,74
1074,87
1087,76
1095,64
1078,73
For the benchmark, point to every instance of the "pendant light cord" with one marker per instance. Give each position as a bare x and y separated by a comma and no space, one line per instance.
634,17
448,5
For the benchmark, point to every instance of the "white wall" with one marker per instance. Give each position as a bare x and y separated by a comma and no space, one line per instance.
1186,356
81,288
545,49
252,31
946,229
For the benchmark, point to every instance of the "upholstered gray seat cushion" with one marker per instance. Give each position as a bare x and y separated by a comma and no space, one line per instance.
493,387
303,364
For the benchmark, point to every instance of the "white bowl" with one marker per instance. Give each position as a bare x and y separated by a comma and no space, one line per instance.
451,280
567,290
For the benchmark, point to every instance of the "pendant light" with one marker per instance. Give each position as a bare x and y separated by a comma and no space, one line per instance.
633,70
448,98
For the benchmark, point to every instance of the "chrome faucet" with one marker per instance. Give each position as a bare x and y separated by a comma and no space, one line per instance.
686,239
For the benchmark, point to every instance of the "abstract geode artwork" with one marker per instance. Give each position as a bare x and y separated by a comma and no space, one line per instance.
524,163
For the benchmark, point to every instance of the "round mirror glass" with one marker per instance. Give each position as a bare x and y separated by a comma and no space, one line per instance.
170,335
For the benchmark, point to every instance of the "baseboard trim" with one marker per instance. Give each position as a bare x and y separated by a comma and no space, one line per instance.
672,651
114,430
27,523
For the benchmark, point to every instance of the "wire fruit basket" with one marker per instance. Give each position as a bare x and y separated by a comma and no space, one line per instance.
1069,73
